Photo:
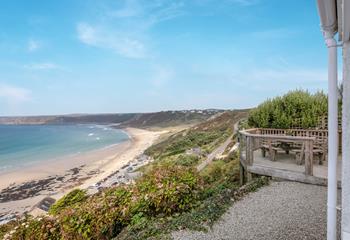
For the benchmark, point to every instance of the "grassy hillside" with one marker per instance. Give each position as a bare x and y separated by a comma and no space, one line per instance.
137,120
170,195
170,118
205,135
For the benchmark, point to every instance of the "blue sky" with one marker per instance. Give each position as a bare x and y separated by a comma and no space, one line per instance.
84,56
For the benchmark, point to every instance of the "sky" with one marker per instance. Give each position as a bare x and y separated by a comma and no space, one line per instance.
104,56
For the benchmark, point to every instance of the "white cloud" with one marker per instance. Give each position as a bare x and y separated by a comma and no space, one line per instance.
131,8
33,45
146,11
125,30
298,75
161,76
274,81
42,66
244,2
124,45
14,95
275,33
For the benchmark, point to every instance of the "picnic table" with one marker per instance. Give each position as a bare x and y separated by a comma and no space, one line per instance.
286,145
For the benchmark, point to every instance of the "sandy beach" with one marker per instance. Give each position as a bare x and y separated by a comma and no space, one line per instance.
22,189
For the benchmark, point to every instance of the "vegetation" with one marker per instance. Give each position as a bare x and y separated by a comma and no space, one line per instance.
74,197
296,108
205,136
170,195
170,118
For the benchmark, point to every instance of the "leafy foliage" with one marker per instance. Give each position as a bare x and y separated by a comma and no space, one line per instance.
160,192
170,194
68,200
186,160
37,228
167,189
206,135
283,112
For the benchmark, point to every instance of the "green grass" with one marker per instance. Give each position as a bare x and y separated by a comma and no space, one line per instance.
73,198
207,136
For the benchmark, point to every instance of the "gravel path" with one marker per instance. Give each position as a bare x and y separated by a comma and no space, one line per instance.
282,210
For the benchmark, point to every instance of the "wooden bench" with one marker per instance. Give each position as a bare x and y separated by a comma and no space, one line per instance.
316,151
271,148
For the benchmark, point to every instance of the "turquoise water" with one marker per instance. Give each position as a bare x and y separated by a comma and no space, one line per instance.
23,145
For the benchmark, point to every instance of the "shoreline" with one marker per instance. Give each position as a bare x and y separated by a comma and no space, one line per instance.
51,166
23,189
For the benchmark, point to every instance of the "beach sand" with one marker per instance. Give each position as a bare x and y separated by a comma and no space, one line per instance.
22,189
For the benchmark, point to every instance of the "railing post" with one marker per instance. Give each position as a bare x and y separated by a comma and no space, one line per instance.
241,174
309,158
249,156
241,139
250,151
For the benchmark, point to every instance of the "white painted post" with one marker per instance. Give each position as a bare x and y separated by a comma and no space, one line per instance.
346,144
332,136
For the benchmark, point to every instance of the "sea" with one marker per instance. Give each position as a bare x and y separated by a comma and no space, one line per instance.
25,145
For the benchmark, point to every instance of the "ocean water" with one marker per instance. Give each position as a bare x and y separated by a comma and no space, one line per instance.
23,145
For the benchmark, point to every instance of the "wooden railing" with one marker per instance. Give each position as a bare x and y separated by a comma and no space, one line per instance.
251,139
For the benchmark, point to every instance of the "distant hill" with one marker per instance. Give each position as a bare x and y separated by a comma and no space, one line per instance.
76,118
170,118
138,120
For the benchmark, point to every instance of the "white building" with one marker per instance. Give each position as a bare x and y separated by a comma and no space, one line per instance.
335,21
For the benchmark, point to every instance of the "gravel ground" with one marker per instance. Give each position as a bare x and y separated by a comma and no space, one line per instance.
282,210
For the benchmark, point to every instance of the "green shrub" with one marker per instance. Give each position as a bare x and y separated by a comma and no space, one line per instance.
213,172
186,160
37,228
162,191
68,200
294,109
100,217
165,190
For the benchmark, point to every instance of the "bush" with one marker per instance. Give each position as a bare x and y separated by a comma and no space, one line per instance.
100,217
68,200
37,228
186,160
296,108
213,172
162,191
165,190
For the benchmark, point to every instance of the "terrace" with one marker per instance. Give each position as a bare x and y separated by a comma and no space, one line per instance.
291,154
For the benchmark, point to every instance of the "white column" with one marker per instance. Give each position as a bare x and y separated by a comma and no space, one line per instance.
346,144
332,136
